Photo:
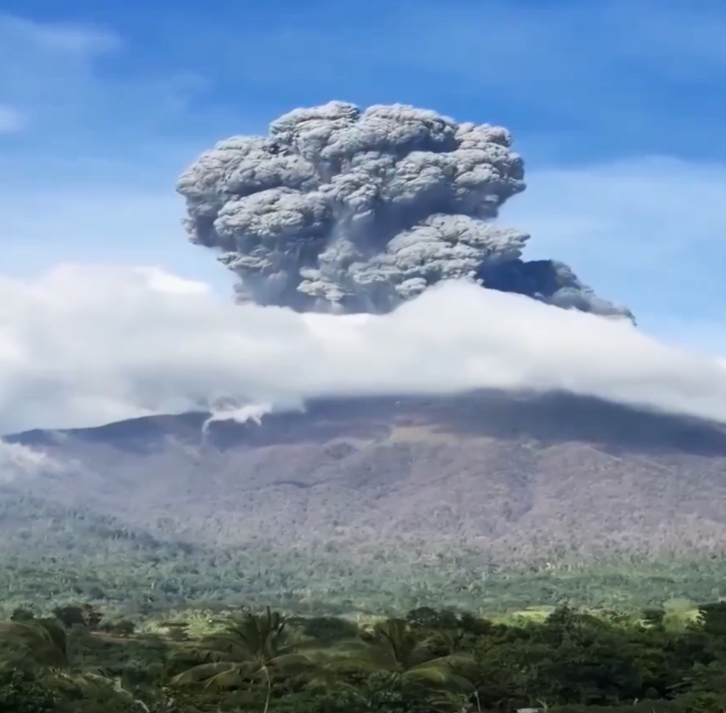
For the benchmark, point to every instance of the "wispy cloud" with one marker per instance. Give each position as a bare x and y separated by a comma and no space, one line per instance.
77,40
47,69
647,232
11,120
621,76
81,81
672,39
631,73
34,55
21,462
108,221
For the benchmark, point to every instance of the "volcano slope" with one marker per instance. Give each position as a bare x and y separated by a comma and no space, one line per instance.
402,499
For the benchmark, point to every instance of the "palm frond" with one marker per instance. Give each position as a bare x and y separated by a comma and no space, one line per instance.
250,649
451,662
35,642
213,674
294,660
440,677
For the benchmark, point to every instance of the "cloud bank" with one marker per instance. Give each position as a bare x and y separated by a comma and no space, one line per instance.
87,345
347,210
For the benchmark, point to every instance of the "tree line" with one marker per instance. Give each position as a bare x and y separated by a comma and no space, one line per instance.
74,660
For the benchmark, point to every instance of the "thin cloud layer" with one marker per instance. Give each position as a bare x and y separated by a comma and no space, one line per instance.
87,345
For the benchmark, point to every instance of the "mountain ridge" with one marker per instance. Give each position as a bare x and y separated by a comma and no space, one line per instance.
516,477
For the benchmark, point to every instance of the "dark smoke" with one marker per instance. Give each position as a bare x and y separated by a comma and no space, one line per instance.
345,210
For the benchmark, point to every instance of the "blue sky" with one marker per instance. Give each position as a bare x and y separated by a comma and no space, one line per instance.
616,105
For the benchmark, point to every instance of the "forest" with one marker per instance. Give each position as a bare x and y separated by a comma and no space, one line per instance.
97,618
75,659
61,555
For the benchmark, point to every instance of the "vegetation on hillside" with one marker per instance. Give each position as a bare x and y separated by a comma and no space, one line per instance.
61,555
168,626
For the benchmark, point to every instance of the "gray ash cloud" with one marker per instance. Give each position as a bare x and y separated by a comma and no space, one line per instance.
348,210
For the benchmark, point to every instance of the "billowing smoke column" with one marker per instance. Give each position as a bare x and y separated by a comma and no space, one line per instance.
345,210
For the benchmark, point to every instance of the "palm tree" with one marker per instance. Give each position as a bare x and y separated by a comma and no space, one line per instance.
41,646
36,643
250,649
395,649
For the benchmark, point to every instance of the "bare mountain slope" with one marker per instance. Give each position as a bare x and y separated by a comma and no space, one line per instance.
520,478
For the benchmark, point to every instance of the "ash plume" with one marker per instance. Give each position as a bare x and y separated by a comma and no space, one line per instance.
340,209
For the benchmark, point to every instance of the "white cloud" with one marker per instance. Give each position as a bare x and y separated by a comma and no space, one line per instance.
82,346
636,205
43,225
646,232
